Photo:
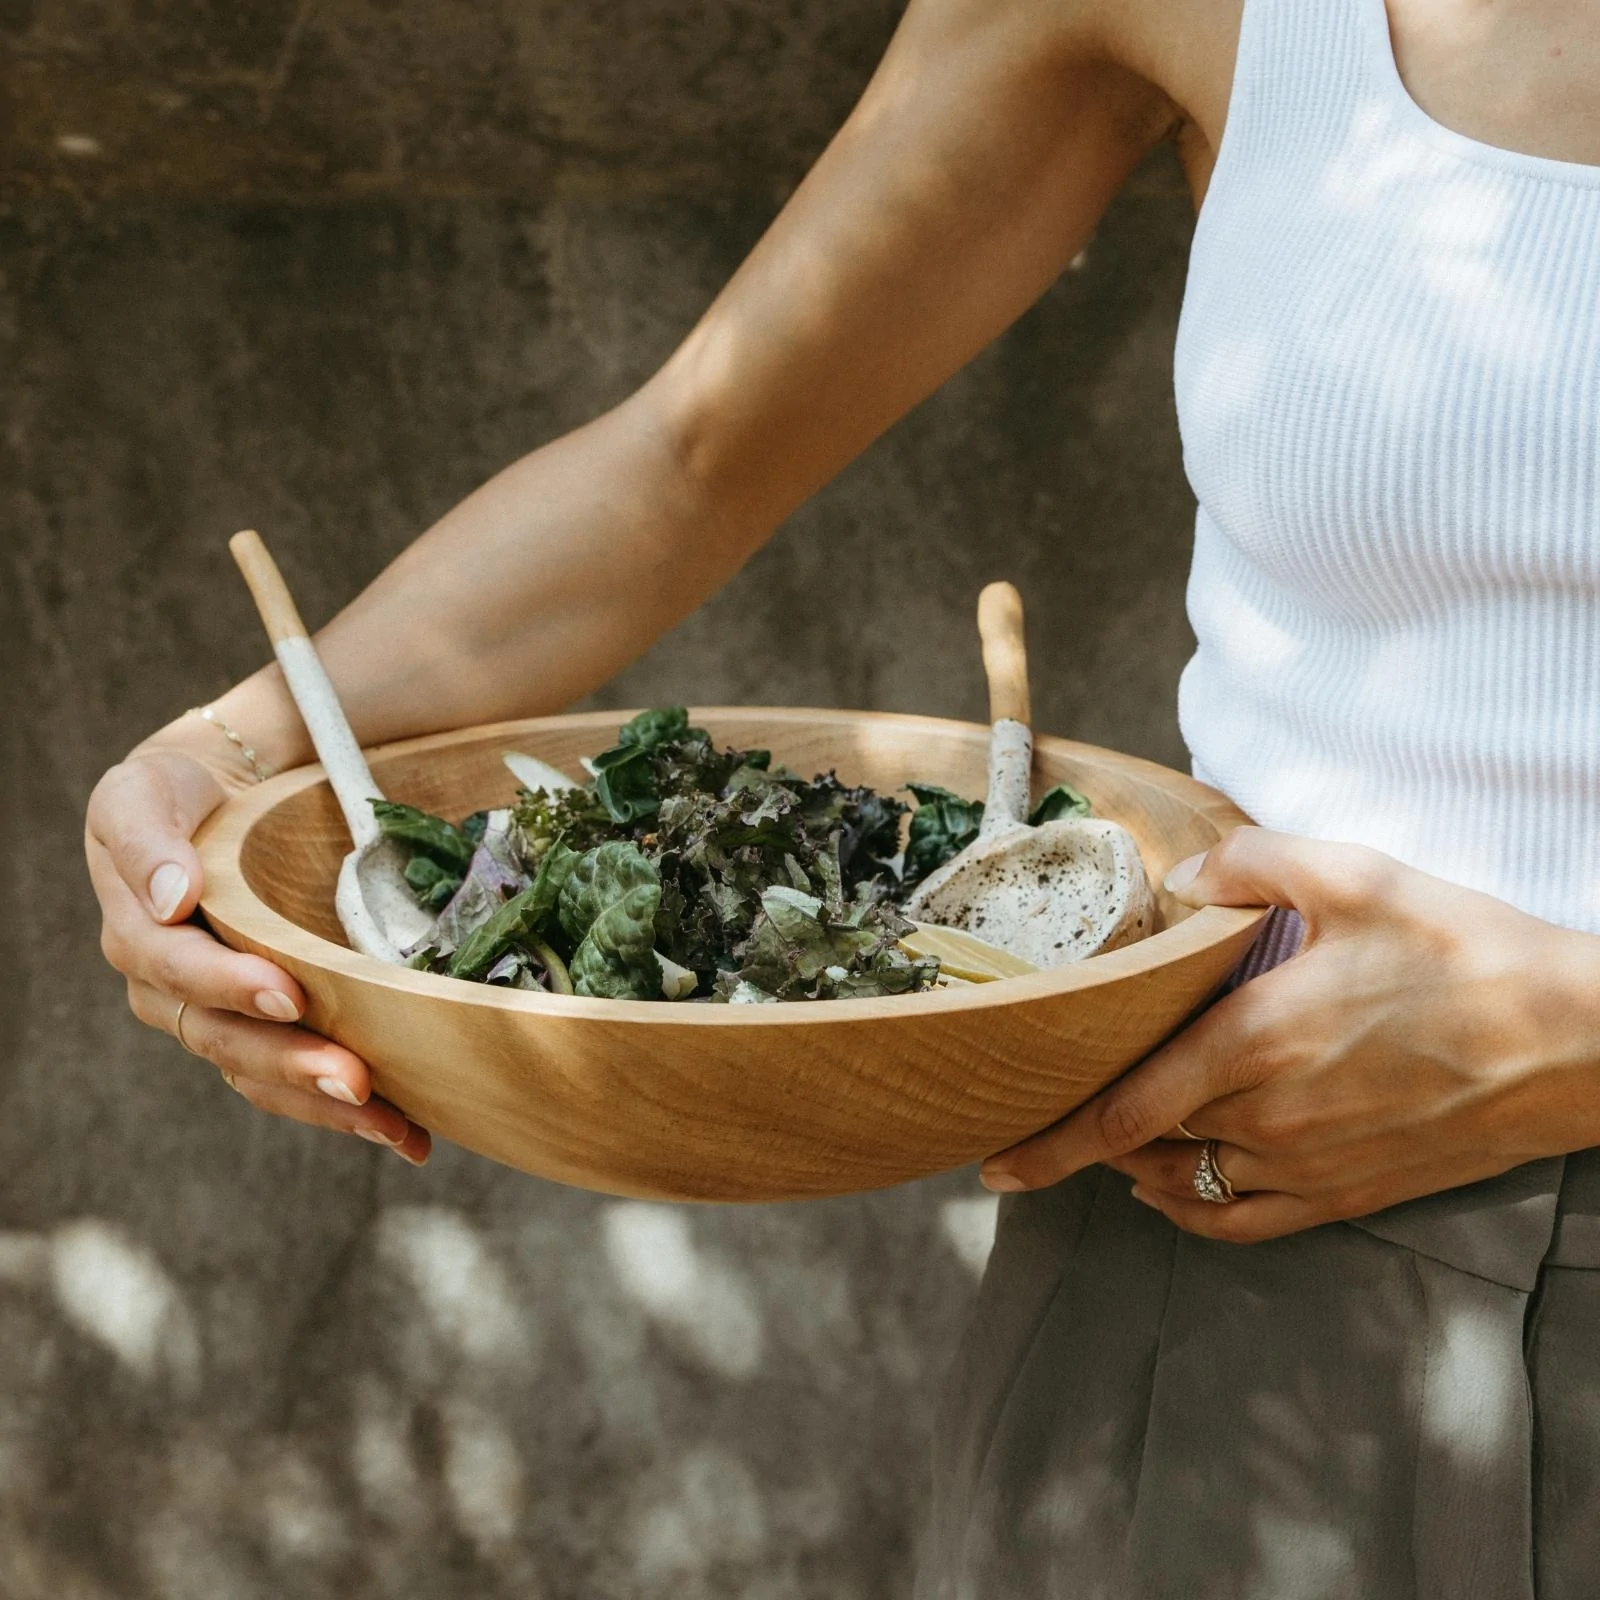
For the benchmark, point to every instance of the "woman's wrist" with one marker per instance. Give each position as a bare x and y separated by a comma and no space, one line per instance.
250,732
262,711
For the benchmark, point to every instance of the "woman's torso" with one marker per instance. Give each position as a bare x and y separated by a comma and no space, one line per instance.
1388,382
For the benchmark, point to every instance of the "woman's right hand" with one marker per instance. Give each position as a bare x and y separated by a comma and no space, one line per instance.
241,1009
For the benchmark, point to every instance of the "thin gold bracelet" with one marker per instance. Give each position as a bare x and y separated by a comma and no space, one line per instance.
262,773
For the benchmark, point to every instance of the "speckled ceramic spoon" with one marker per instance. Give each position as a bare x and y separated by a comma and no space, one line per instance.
1051,894
376,908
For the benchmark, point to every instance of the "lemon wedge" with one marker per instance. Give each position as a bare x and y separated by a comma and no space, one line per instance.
964,955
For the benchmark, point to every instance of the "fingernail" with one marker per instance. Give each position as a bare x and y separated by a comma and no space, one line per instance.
1184,873
169,883
339,1090
372,1136
405,1155
277,1005
1144,1197
1001,1182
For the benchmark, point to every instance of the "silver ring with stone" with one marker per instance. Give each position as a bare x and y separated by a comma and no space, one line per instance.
1209,1182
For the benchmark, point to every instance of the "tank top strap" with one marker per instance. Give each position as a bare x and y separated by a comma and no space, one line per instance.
1302,68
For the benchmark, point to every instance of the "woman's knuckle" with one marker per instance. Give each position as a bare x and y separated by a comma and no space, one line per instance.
1204,1224
1360,876
1280,1126
169,970
1123,1123
1225,852
1245,1229
1359,1200
1252,1062
139,1004
103,797
206,1037
121,832
1317,1171
114,947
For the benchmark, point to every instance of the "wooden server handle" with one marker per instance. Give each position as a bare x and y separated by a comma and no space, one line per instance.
1005,656
267,588
310,686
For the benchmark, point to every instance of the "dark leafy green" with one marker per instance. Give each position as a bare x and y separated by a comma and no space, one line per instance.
625,783
625,776
942,825
525,914
867,826
493,874
432,836
617,958
1060,804
660,726
601,878
804,949
718,854
432,884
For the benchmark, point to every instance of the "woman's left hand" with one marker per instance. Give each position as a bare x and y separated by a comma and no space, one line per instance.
1425,1036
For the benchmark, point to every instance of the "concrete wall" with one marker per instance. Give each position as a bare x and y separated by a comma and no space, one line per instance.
320,269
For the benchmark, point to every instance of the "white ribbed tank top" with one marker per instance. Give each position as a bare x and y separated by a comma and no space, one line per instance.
1388,386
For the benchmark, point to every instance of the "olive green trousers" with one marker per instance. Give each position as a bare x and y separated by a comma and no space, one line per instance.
1407,1406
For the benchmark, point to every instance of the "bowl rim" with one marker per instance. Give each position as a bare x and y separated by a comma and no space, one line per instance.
228,900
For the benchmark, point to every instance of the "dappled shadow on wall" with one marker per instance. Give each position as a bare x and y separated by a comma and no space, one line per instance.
691,1402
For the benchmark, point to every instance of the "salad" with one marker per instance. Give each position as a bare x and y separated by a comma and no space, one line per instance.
680,871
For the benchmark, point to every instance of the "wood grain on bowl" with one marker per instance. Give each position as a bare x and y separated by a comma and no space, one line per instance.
715,1102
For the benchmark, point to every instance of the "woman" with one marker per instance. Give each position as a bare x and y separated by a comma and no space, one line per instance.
1389,386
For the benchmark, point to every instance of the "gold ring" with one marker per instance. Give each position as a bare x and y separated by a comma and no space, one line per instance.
177,1028
1210,1182
1199,1138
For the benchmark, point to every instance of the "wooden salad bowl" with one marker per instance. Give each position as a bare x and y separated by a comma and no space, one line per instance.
714,1102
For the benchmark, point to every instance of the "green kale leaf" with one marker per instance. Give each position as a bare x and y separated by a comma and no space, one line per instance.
432,884
942,825
601,878
427,834
1060,804
693,765
617,958
663,725
625,783
659,754
865,827
804,949
715,856
625,777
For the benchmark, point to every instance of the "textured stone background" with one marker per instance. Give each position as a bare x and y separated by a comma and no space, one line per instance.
320,268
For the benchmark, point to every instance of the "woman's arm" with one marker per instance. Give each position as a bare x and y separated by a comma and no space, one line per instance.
975,167
977,164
